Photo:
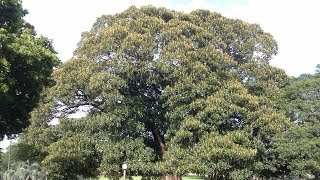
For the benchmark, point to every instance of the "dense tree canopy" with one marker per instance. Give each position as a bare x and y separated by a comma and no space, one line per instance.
297,150
300,100
167,93
26,64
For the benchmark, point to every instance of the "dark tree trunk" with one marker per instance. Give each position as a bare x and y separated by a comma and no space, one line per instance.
158,138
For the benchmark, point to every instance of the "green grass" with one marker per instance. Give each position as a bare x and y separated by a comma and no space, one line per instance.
183,178
136,177
133,177
192,178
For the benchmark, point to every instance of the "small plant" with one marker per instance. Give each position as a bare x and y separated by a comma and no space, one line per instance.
24,171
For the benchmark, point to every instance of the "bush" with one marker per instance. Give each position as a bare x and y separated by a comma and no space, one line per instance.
24,171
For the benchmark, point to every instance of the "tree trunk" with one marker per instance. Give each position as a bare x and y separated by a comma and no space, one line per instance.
159,139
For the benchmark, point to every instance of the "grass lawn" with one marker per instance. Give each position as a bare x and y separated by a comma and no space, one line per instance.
183,178
134,178
192,178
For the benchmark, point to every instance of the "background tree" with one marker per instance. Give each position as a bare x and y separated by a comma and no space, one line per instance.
300,101
317,70
296,152
11,15
297,149
2,163
166,92
22,152
26,64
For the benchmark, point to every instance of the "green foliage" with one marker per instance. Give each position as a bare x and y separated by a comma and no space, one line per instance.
16,154
72,156
215,155
24,171
167,93
134,152
295,152
317,72
11,13
24,152
300,101
2,163
26,64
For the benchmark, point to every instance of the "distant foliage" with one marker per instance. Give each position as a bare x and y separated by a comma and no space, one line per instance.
296,152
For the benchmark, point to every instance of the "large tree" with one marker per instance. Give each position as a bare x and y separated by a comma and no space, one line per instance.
26,64
297,150
167,93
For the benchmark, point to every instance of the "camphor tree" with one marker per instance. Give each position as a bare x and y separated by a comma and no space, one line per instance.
26,64
165,92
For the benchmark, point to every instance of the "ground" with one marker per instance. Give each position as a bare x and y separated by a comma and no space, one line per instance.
183,178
